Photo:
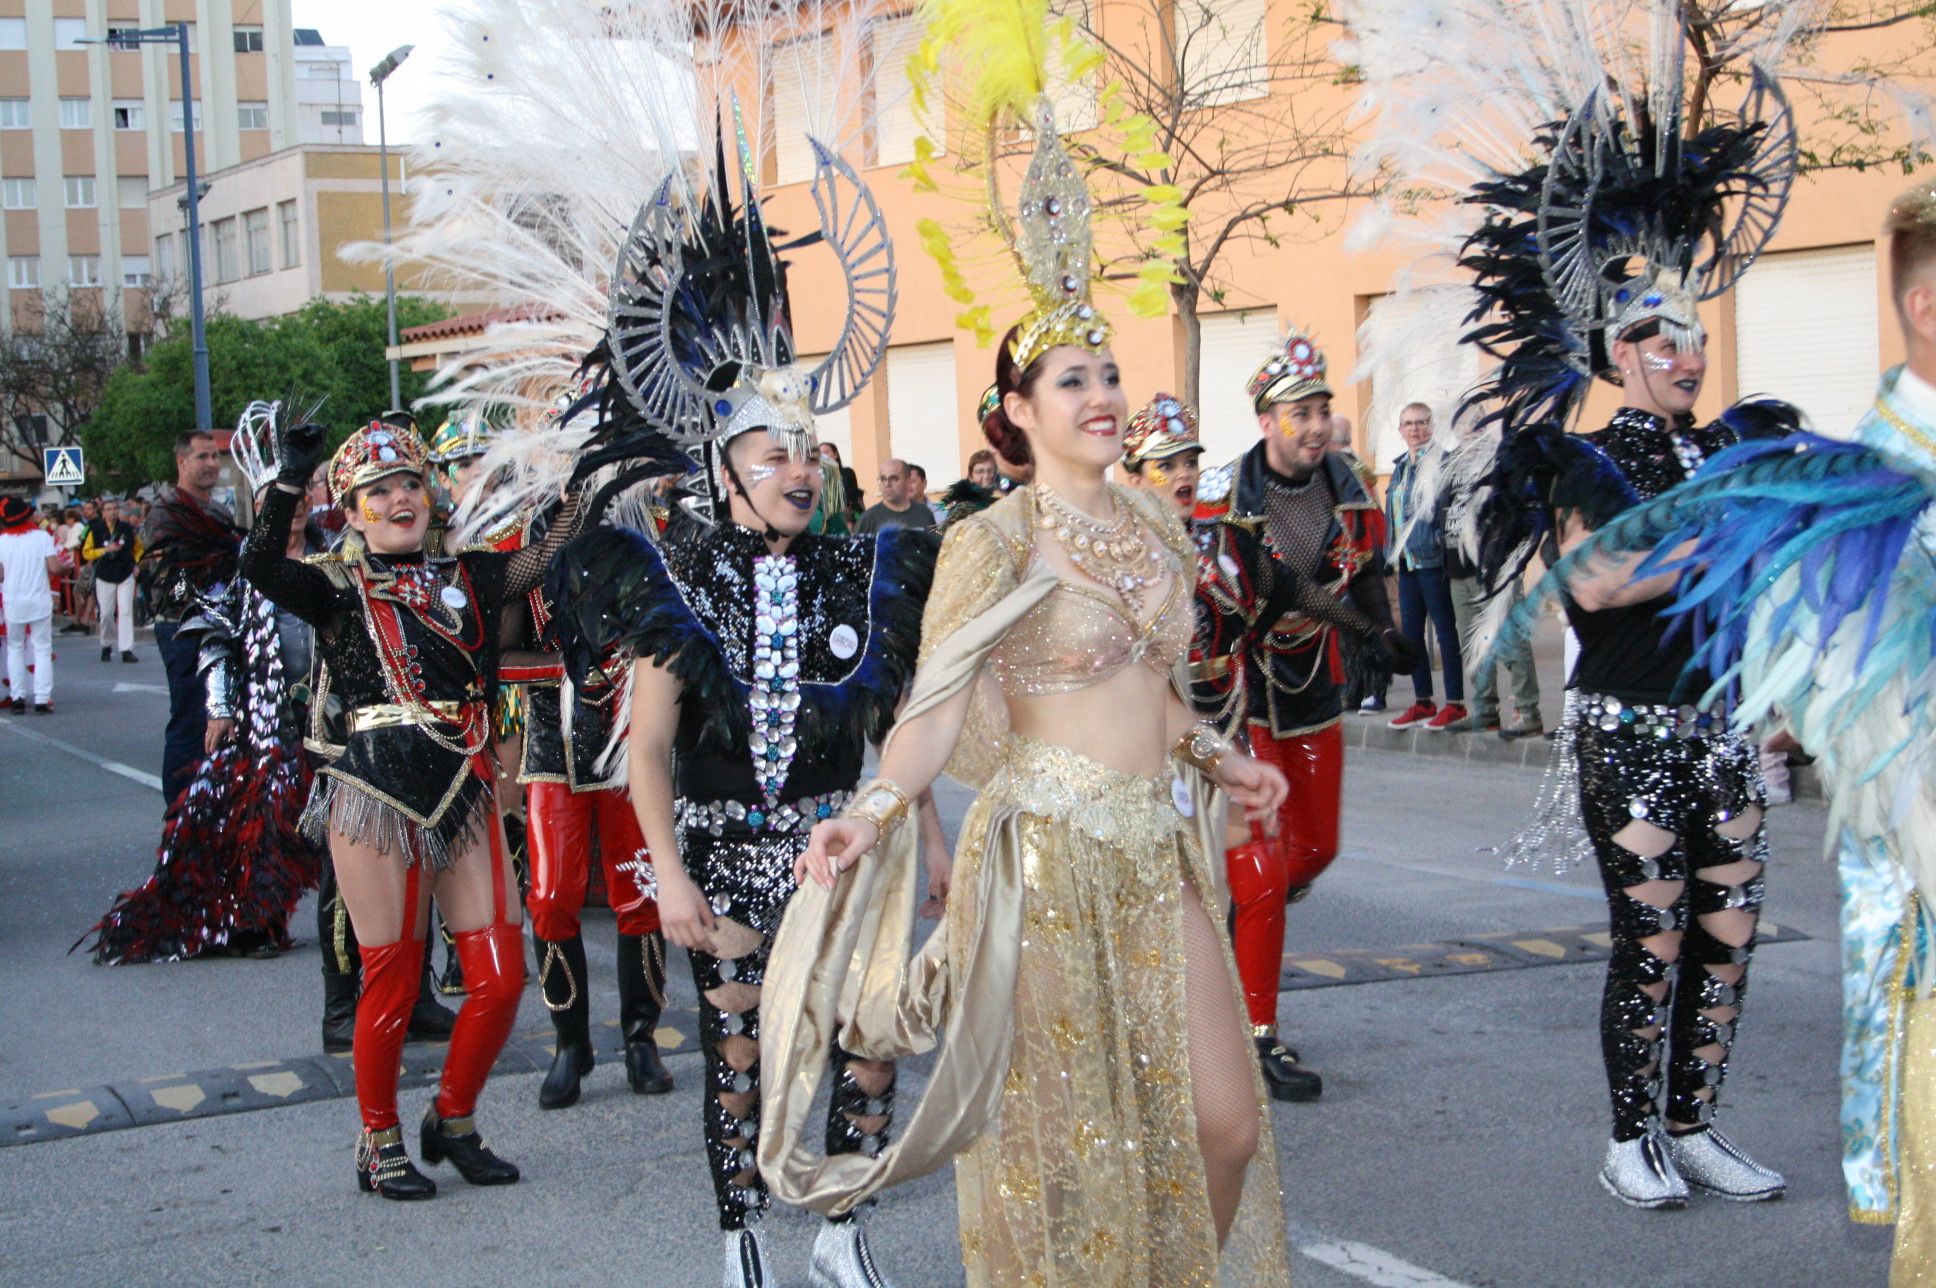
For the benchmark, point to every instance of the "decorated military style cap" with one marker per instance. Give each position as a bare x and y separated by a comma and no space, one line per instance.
1164,428
376,451
1295,371
460,438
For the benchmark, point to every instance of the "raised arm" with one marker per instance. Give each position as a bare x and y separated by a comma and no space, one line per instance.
288,583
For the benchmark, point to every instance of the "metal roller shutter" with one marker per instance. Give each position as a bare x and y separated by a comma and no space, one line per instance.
1234,345
1805,326
921,426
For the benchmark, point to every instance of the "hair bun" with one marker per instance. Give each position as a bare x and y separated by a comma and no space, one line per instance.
1009,442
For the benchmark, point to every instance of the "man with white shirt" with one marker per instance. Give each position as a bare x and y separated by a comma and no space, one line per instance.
28,559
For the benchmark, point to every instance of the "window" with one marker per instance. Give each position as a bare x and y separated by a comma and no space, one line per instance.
1074,101
17,194
13,33
165,255
14,114
255,235
895,128
77,114
802,100
248,40
83,270
1233,345
69,32
251,116
134,270
175,115
130,114
291,234
225,248
23,271
921,407
1799,303
131,192
339,118
79,191
1220,50
123,39
33,428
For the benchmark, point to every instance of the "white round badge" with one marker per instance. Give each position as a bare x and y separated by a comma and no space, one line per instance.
843,641
1180,797
454,598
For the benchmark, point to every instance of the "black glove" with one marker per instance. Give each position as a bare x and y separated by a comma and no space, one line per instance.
1396,654
298,447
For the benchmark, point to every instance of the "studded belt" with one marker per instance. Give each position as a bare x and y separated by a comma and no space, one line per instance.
718,817
1648,720
386,715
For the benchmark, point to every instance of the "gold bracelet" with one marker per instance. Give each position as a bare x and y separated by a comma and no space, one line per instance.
880,802
1203,747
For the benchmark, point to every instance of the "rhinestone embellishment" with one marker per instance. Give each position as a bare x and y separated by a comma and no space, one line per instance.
775,696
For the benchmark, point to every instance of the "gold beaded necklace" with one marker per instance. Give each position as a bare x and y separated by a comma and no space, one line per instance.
1113,553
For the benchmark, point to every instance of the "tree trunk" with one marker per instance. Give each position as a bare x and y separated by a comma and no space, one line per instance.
1190,329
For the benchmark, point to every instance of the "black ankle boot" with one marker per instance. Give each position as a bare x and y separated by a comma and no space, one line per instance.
382,1167
1284,1077
451,982
641,998
430,1020
339,1011
456,1140
561,973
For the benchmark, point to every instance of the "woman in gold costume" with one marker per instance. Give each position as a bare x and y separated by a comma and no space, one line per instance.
1093,1079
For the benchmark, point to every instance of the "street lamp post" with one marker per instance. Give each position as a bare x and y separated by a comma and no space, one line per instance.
379,74
177,34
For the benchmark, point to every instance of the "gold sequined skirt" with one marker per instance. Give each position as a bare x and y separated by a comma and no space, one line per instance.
1914,1263
1091,1174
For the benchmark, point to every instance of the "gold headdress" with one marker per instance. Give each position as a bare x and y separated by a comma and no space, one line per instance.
376,451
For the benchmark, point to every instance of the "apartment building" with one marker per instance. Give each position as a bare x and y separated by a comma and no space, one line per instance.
89,129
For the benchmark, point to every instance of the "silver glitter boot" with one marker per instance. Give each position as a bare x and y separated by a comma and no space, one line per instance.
1640,1174
746,1260
1712,1162
842,1259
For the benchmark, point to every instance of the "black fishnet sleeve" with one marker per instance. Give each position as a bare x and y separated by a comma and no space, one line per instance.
288,583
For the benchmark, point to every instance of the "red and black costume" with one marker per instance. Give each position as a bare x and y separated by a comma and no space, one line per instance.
408,645
1286,566
566,801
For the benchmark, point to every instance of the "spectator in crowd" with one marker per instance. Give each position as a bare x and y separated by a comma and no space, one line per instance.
1419,555
28,563
897,508
855,498
918,493
189,544
111,547
74,587
974,493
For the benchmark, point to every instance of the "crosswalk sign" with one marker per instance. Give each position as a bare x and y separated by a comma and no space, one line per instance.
61,466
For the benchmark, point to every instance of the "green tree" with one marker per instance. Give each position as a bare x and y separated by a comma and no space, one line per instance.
325,350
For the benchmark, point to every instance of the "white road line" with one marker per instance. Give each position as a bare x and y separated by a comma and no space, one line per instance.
126,686
112,766
1374,1266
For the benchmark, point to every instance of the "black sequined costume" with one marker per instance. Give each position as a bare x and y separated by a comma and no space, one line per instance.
233,862
787,665
1646,755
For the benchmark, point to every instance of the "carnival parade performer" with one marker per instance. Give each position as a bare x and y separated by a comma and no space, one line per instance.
754,657
408,644
568,799
1318,525
233,861
1093,1076
1808,567
1590,251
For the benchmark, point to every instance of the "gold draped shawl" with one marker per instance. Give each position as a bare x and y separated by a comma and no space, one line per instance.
844,952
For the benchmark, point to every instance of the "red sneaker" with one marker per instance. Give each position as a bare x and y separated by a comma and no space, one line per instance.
1449,714
1417,713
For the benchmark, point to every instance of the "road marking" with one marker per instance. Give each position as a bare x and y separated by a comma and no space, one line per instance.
1549,887
1375,1266
125,686
80,753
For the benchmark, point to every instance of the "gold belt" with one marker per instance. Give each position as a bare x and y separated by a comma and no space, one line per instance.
388,715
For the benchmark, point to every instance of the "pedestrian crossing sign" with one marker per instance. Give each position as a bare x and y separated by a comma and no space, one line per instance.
61,466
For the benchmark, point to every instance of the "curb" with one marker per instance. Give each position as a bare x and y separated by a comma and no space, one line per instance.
1373,734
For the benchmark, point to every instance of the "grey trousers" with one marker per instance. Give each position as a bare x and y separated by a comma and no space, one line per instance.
1481,674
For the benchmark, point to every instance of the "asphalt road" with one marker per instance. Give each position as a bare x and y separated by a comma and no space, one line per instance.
1456,1144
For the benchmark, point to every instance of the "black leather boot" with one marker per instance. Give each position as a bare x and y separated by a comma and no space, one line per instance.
1284,1077
451,982
382,1167
561,973
641,998
456,1140
431,1020
339,1010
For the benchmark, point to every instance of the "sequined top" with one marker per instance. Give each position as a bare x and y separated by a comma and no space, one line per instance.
1082,632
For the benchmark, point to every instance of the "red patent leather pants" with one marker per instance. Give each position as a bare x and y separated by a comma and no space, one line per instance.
559,828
